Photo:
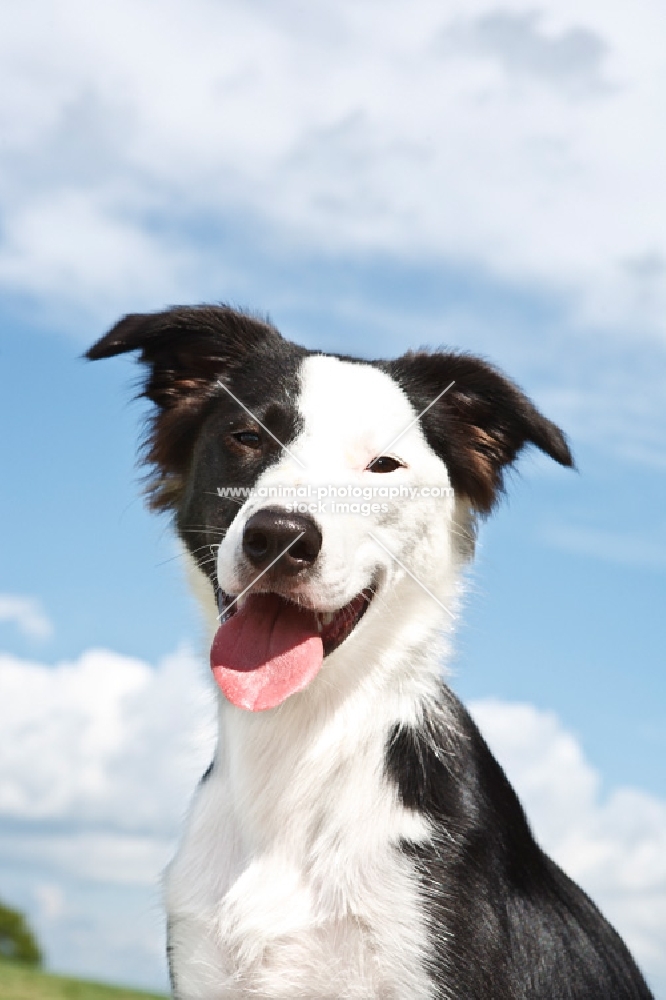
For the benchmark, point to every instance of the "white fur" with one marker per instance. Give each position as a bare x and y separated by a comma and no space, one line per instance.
289,881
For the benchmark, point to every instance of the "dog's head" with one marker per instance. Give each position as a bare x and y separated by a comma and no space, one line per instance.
316,486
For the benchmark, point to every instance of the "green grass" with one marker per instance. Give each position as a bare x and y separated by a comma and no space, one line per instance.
18,982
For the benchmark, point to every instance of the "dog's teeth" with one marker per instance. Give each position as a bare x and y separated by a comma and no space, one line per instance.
319,622
328,617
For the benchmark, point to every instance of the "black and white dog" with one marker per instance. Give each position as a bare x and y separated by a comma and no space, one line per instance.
354,837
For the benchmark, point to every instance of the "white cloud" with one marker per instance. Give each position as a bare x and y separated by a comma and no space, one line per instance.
523,141
613,844
54,241
571,57
27,614
98,855
105,741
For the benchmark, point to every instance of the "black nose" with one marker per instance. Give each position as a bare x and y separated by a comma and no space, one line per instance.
292,541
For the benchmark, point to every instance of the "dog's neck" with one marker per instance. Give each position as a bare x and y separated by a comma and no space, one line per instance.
294,769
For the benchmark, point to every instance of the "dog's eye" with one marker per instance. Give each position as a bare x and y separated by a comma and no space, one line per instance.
249,439
384,464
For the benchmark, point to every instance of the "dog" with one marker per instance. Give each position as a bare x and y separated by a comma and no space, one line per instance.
353,838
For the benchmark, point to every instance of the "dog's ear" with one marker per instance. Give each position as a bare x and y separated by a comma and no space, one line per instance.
187,350
479,424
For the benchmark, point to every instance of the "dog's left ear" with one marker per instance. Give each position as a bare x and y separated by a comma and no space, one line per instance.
479,425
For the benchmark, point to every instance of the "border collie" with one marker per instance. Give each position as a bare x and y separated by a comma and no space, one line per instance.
354,838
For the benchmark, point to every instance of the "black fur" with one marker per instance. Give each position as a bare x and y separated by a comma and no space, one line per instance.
506,923
479,425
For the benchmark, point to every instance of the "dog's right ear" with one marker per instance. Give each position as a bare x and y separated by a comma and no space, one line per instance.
187,350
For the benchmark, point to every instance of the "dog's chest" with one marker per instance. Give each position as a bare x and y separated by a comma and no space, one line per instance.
307,895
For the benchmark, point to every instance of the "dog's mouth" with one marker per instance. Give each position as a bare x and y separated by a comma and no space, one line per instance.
332,626
268,647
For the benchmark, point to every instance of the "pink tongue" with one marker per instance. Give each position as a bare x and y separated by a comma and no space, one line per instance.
268,650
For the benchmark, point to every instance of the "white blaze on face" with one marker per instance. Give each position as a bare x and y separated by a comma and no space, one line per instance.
352,413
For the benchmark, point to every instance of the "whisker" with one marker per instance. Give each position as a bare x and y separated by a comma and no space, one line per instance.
199,561
240,503
206,545
205,561
165,562
196,529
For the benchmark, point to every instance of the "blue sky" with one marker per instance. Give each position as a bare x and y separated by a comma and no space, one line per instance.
489,177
